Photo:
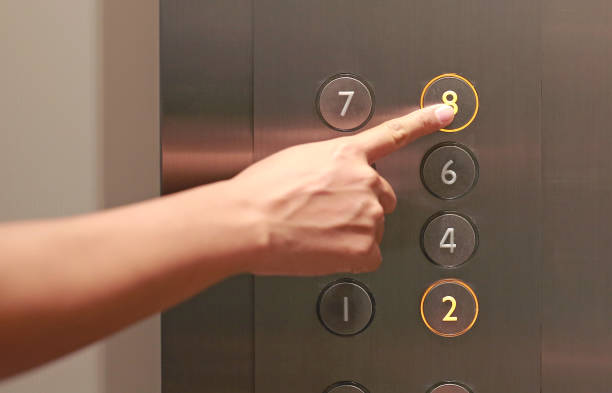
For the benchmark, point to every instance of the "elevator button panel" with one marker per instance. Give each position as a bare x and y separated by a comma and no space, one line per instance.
449,388
449,239
346,307
449,308
456,91
449,171
346,387
345,103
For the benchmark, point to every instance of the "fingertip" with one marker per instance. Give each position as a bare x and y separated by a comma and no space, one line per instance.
445,114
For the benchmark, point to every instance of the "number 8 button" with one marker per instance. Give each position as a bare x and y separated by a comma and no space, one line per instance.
449,171
457,92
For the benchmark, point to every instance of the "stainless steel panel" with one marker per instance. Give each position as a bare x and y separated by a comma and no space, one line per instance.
577,186
206,82
525,58
398,47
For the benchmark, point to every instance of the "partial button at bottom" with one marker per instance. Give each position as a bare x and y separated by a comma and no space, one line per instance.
346,387
449,388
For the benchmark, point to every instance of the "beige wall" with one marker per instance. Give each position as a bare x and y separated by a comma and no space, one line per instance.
79,132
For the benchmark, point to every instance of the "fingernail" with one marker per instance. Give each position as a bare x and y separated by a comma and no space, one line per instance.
445,114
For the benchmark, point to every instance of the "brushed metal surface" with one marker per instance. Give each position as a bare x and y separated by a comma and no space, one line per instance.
206,83
577,190
398,47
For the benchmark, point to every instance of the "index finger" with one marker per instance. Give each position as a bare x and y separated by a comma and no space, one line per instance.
394,134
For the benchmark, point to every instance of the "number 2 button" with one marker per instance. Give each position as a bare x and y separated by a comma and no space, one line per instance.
449,171
449,239
449,308
345,103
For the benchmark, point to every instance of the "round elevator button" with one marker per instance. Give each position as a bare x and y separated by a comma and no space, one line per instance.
346,307
456,91
449,388
449,239
449,308
346,387
345,103
449,171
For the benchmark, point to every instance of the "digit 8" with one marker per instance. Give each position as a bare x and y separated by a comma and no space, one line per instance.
452,102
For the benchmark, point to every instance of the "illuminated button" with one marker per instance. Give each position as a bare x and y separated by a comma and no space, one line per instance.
449,308
449,171
456,91
449,239
345,103
346,387
346,307
449,388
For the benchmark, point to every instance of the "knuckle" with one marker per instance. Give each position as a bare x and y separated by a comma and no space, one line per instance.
378,212
364,248
426,122
344,149
396,131
372,178
376,261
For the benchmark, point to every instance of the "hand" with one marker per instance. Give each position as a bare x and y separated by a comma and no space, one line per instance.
322,205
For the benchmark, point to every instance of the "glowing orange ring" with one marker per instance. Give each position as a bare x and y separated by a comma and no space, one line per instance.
450,281
464,80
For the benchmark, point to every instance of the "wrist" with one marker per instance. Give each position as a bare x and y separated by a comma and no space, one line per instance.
225,225
248,231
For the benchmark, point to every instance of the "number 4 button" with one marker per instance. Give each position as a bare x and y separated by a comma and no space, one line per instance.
449,239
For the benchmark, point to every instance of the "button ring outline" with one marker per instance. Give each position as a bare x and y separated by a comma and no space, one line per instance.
466,287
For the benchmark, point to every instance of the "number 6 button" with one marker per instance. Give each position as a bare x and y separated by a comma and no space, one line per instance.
449,239
345,103
449,171
449,308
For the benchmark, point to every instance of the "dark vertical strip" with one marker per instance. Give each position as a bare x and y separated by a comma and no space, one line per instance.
207,135
577,85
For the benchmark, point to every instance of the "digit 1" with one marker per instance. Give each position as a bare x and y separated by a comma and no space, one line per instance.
346,309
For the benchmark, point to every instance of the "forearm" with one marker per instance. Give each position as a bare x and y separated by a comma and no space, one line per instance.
66,283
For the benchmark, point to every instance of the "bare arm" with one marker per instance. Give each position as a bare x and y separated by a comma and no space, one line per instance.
312,209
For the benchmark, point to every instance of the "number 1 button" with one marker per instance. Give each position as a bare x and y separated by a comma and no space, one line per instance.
345,103
449,308
346,307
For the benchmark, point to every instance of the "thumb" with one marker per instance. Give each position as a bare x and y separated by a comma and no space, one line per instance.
394,134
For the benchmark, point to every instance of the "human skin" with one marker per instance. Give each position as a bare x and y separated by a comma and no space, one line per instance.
312,209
